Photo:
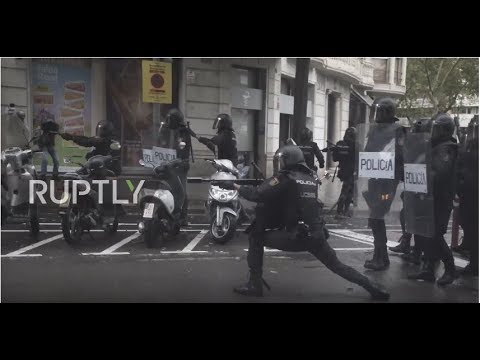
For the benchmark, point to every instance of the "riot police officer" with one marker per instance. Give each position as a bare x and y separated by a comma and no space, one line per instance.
444,155
310,149
467,192
344,153
225,140
381,192
175,121
288,203
421,126
100,142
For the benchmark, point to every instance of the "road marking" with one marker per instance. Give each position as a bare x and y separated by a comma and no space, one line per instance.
334,232
114,247
93,230
357,236
23,255
195,241
350,235
33,246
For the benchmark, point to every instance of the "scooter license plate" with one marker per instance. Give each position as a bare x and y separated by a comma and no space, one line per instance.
148,211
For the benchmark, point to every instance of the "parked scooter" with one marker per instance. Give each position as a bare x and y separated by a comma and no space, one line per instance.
88,213
17,171
223,206
161,206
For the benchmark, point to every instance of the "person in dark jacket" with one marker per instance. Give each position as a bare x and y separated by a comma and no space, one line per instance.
444,157
287,202
225,140
310,150
47,144
100,142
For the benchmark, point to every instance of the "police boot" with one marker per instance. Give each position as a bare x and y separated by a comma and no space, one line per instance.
427,273
254,286
403,247
449,275
376,291
380,259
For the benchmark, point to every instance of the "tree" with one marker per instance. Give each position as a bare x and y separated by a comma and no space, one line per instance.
435,85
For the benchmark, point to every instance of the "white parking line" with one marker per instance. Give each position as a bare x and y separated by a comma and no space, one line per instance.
195,241
334,232
111,249
350,235
19,252
357,236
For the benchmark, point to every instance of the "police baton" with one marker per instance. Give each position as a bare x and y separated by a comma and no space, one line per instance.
199,180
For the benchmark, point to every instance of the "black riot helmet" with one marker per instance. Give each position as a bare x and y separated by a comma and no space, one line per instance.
104,129
174,119
443,127
306,135
350,134
384,110
223,121
289,157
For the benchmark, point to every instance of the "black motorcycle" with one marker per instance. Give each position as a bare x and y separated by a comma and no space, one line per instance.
87,213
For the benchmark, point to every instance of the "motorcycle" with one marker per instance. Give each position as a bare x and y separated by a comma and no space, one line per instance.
87,213
17,171
161,206
223,206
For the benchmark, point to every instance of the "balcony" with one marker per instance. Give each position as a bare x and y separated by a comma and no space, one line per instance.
357,71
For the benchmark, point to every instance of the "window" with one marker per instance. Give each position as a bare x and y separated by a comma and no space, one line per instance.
286,86
398,71
380,70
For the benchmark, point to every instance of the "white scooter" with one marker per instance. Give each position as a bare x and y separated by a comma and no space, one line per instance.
161,206
223,206
17,171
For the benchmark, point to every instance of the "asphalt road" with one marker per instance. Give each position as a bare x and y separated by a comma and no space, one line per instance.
191,268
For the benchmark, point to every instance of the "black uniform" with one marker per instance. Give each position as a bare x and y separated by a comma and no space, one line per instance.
183,135
101,147
381,192
226,143
344,153
467,191
283,201
310,152
443,166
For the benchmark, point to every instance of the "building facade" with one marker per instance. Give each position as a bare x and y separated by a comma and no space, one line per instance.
256,92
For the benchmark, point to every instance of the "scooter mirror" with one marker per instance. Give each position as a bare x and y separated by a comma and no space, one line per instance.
115,145
182,145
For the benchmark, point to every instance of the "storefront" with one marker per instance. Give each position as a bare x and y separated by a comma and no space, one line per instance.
133,94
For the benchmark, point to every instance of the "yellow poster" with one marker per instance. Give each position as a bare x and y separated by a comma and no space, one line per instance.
157,82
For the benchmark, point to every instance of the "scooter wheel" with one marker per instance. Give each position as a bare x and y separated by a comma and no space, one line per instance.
227,232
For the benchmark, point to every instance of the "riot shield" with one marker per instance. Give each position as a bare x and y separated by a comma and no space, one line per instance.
377,174
418,186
